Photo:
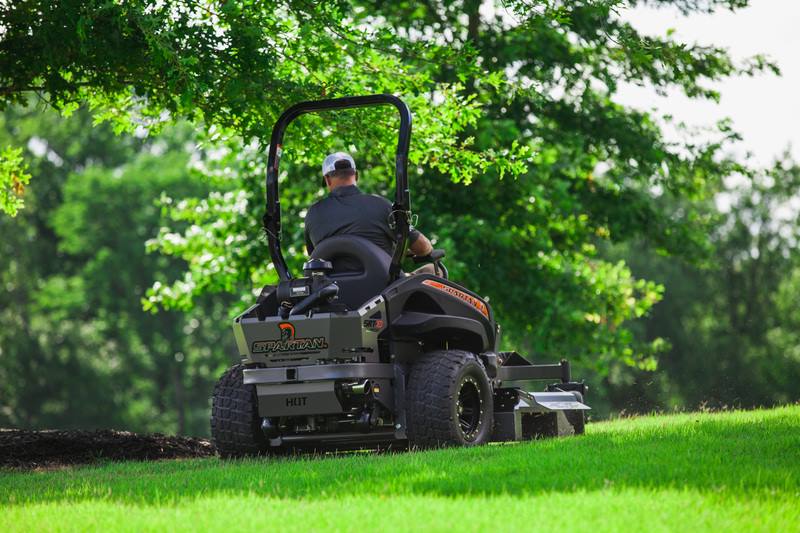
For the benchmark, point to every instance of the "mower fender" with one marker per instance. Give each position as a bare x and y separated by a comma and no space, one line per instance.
413,324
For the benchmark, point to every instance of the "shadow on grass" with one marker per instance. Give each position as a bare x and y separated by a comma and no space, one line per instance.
740,453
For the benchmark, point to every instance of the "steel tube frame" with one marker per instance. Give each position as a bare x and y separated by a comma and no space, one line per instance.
402,202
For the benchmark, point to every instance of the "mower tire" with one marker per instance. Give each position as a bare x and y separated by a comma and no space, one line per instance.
449,401
235,424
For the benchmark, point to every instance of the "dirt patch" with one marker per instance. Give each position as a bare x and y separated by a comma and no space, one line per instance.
53,449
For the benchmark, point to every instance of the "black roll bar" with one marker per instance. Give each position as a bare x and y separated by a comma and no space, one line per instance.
402,204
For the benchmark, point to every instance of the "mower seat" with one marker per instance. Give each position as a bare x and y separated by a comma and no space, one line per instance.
360,268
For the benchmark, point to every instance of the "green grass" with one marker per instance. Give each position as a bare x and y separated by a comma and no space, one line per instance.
737,471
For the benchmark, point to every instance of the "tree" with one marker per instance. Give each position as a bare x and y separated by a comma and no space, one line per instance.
35,360
599,173
731,320
518,104
77,348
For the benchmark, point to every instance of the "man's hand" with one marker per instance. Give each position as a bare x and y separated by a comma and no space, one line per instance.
421,247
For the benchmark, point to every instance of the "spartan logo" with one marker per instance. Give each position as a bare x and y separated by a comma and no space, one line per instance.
289,344
287,331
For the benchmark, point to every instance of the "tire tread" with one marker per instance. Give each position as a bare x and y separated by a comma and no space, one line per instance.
235,423
429,399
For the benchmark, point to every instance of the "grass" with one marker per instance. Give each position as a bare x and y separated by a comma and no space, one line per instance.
736,471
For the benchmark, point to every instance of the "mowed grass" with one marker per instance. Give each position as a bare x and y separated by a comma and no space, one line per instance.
736,471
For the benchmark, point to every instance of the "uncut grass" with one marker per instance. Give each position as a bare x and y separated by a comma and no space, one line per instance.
741,469
605,510
757,450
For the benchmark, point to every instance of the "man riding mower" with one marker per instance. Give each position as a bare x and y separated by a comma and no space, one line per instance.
355,353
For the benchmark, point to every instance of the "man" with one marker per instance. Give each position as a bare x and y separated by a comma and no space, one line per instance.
348,211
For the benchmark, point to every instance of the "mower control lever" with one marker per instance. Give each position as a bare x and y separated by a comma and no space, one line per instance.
434,256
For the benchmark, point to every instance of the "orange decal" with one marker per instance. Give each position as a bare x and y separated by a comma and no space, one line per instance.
287,331
452,291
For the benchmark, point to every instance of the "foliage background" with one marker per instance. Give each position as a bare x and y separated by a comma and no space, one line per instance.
595,238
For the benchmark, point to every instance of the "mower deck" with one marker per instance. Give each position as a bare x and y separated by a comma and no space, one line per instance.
311,389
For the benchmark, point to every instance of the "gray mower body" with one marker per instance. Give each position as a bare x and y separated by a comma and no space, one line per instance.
301,365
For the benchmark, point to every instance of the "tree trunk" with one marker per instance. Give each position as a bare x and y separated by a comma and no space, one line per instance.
177,375
472,8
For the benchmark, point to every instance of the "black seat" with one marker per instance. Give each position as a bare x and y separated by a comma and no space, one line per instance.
360,268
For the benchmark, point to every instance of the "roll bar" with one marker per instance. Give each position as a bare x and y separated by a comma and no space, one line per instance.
401,209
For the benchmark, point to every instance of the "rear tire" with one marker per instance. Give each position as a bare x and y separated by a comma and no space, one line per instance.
449,401
235,423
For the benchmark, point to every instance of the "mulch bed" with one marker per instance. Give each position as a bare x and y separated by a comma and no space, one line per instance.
26,449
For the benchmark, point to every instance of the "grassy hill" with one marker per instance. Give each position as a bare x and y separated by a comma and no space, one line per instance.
722,472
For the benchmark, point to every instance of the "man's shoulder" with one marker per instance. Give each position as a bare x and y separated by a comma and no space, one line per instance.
377,199
358,199
316,205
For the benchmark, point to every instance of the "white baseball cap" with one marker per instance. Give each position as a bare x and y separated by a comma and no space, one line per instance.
330,163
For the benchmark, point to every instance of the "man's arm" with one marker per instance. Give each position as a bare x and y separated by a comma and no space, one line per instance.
420,246
309,244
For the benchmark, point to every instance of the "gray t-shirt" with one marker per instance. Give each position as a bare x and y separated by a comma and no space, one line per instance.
348,211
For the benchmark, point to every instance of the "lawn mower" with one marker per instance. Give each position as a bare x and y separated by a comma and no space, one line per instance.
344,358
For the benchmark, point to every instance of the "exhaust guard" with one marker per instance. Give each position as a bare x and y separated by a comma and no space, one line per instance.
311,390
294,399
